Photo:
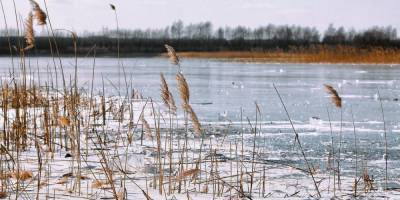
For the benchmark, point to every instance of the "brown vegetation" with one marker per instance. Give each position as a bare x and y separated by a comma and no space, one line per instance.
314,54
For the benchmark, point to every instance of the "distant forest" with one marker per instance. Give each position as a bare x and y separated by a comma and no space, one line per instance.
204,37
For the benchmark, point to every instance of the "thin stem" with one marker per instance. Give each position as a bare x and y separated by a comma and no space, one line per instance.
298,142
385,137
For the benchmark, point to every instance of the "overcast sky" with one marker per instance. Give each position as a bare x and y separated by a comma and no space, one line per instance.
92,15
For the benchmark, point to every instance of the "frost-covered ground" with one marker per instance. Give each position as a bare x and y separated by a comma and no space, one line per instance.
220,164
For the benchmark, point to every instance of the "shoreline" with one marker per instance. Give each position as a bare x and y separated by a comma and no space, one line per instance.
295,58
273,57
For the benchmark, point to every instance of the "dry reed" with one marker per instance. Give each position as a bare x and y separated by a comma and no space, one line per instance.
173,57
146,128
311,54
183,88
29,33
336,100
166,95
39,14
194,119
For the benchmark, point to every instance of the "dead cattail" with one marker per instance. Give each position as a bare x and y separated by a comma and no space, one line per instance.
194,119
183,88
112,6
334,95
172,55
166,95
29,34
40,15
191,172
146,127
64,121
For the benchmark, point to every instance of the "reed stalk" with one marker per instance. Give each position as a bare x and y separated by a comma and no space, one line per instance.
299,143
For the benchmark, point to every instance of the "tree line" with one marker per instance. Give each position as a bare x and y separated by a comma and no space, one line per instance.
204,37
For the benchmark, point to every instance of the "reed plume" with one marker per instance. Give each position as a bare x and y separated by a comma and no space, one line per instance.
183,88
74,35
29,33
172,55
39,14
166,95
258,108
334,95
146,127
194,119
172,103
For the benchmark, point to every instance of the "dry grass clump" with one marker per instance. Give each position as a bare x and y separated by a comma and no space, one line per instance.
18,96
22,175
64,121
188,173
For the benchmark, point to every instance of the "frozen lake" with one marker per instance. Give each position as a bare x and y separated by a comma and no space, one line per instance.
220,89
